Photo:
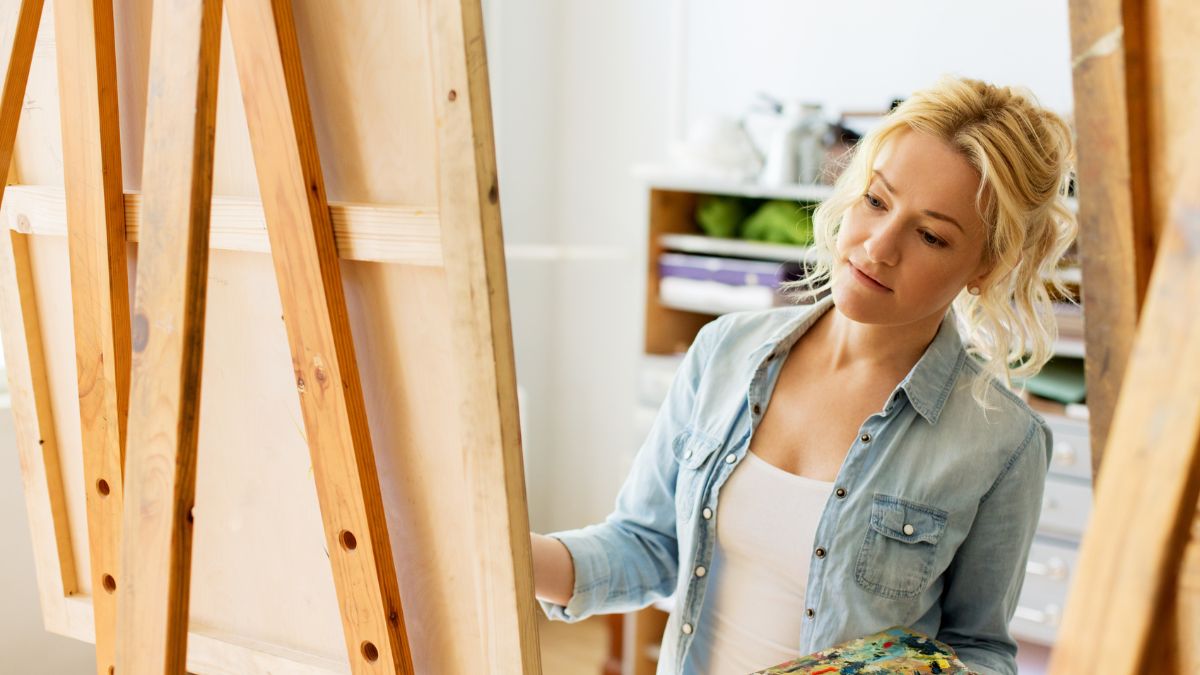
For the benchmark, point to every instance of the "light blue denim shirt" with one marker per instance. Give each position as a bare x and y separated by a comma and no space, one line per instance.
928,525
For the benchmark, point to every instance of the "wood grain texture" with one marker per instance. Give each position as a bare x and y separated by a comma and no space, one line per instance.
406,235
168,338
314,306
469,203
33,417
37,444
263,596
1120,612
87,80
1116,231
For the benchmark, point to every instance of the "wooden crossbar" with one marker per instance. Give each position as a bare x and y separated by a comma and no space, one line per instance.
407,235
318,328
168,337
87,79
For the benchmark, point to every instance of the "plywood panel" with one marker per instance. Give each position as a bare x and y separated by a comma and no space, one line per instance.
259,564
262,597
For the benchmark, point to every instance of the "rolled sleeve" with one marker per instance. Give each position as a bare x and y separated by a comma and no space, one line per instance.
984,582
591,576
632,558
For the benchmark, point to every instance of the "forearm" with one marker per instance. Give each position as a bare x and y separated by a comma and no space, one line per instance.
553,570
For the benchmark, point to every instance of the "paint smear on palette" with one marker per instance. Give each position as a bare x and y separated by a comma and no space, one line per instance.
896,650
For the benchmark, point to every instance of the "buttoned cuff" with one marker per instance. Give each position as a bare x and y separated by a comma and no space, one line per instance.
592,574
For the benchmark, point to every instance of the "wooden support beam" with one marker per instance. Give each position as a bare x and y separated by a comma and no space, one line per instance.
168,337
318,328
1119,612
405,235
87,86
469,205
33,417
1116,237
37,444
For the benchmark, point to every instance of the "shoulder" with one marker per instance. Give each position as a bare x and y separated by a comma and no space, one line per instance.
1011,433
744,332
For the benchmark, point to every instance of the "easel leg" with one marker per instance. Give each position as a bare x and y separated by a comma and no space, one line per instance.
168,337
318,327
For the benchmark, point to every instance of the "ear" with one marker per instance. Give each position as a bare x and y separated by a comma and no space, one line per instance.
980,275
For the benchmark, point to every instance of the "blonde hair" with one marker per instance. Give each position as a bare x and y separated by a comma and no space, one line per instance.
1025,157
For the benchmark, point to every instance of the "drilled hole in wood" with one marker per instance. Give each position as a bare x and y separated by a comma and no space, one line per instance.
348,541
453,95
370,652
102,487
110,584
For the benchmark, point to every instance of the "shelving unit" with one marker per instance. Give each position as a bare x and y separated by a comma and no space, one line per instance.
670,329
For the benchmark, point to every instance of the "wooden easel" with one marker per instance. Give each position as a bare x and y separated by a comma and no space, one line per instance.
1134,604
140,501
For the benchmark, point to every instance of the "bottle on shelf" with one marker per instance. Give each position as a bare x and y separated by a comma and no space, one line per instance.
810,143
782,165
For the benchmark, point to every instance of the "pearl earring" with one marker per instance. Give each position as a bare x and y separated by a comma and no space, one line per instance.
974,290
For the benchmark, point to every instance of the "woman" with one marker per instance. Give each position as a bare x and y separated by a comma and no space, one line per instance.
816,475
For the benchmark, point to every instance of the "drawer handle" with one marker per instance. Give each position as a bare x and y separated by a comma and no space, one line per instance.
1064,454
1049,617
1055,568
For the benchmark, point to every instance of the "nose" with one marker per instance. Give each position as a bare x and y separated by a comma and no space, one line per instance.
883,245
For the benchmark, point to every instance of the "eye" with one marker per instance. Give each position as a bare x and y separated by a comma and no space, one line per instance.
872,201
932,240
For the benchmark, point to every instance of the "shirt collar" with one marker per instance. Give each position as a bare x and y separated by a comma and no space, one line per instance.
927,385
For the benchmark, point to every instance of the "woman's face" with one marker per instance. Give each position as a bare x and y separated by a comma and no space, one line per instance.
915,231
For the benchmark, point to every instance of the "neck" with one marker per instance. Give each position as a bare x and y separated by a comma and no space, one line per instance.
851,345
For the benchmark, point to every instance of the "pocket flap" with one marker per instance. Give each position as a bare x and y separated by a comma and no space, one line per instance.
693,448
906,520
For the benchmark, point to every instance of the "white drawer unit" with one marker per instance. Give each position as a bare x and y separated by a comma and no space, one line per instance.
1072,450
1044,593
1065,507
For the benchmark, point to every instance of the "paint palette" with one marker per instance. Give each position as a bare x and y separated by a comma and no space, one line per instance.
896,650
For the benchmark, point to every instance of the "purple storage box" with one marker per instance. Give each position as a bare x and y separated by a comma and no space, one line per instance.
731,271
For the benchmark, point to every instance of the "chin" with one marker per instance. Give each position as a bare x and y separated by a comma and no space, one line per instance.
863,306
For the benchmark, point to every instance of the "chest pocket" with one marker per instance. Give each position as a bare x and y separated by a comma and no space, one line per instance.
692,451
896,559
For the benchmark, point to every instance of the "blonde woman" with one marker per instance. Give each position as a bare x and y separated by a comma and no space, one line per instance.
823,471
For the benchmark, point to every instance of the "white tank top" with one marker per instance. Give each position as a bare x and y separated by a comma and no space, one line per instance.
754,607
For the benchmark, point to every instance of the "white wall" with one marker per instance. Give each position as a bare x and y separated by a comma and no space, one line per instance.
859,54
584,90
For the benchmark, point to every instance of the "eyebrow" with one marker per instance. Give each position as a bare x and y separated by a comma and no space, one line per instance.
931,214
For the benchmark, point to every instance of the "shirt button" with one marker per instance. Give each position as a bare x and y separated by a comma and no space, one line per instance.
809,612
687,455
707,513
757,409
841,493
687,629
865,438
820,552
700,571
908,528
730,458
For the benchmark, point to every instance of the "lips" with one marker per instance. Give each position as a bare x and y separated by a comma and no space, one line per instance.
868,278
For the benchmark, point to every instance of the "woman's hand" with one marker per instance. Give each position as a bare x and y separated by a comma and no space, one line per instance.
553,570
